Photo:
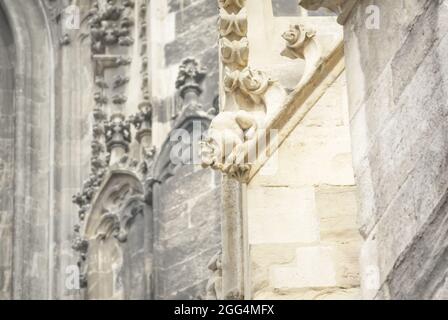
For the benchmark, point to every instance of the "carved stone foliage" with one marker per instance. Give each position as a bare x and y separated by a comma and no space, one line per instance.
118,133
251,96
115,193
142,121
301,44
248,87
235,53
110,24
225,132
233,24
297,39
189,85
232,5
190,77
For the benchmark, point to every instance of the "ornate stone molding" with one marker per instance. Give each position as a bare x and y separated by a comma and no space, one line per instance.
250,97
118,223
112,25
232,5
342,8
233,24
298,37
235,53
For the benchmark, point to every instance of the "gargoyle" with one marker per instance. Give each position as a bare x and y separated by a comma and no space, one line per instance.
227,137
252,97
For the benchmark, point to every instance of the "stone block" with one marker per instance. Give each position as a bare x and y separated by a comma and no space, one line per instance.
397,150
282,215
337,210
174,279
179,247
361,43
178,190
314,268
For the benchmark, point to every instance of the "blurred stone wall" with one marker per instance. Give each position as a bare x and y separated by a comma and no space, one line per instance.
6,157
187,217
398,91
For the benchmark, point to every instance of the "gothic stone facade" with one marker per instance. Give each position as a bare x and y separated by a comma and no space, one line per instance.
346,201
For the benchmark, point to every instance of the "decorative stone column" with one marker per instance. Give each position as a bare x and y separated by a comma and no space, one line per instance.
189,80
142,122
118,137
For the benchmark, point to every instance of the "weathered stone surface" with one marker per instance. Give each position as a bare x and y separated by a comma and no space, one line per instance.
189,19
396,18
398,114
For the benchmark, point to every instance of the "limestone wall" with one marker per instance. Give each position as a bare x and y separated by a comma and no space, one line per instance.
188,233
187,229
6,158
302,232
398,76
180,29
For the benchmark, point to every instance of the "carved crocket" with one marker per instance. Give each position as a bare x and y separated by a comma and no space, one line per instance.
301,44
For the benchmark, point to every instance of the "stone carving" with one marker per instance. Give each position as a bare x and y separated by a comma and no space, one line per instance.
118,223
110,24
148,161
116,205
226,137
119,188
235,53
189,81
233,24
298,37
231,3
190,77
145,107
118,133
251,97
214,284
249,87
301,44
142,121
256,97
